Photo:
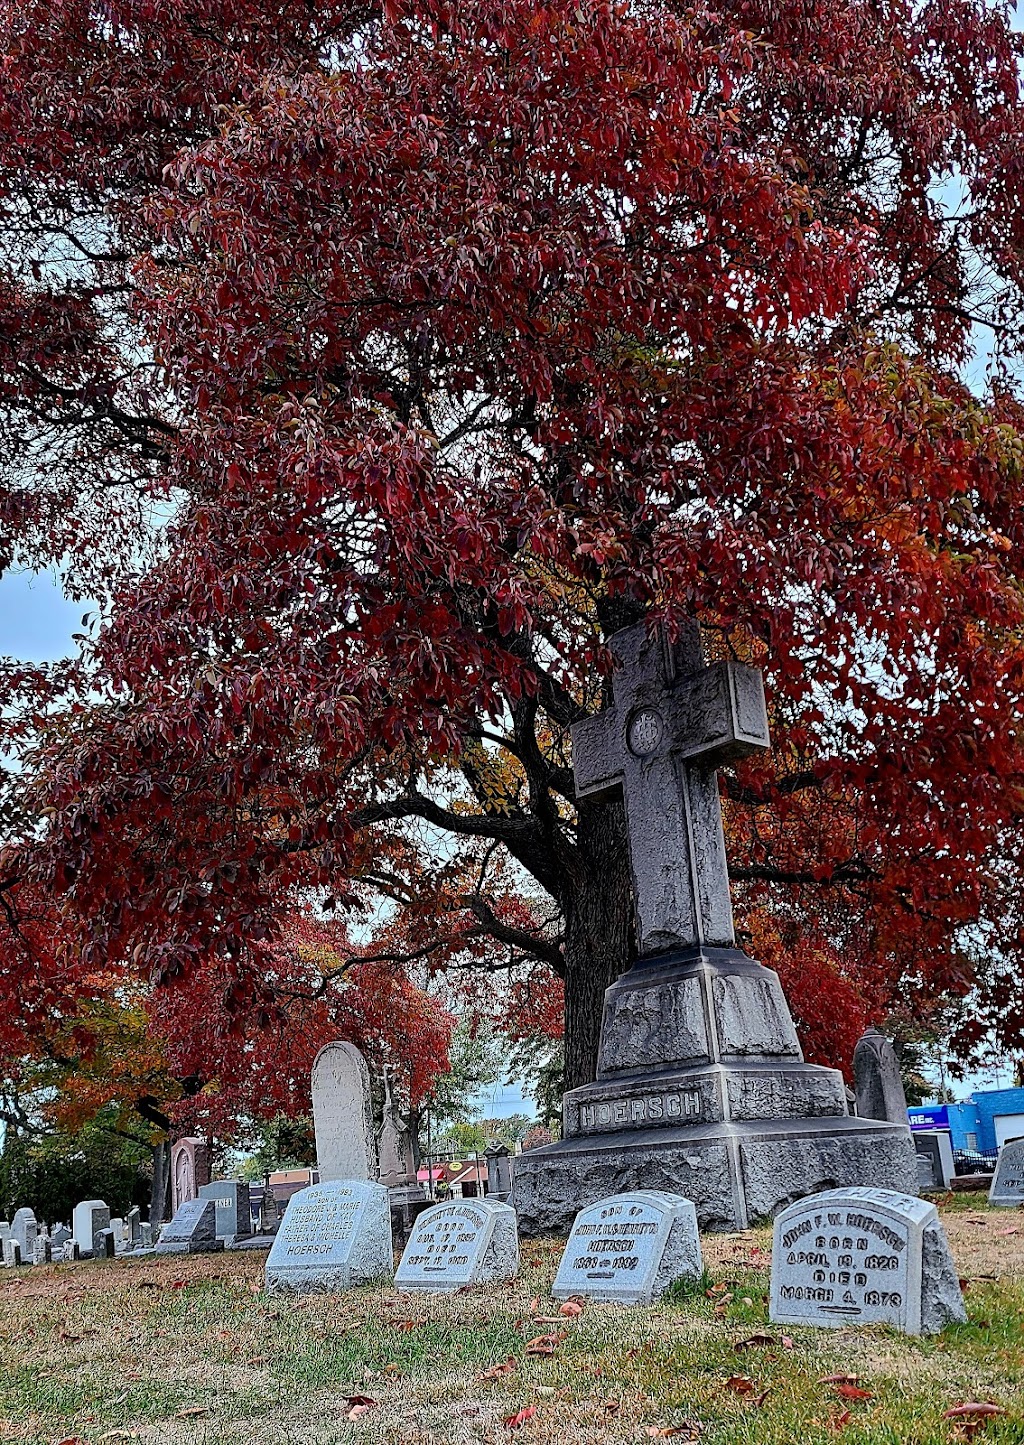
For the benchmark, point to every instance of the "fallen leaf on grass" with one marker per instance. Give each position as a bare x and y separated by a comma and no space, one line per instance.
519,1419
535,1304
1014,1230
687,1431
71,1440
753,1341
740,1384
191,1412
357,1405
787,1342
406,1326
543,1344
119,1435
612,1407
853,1392
494,1372
838,1379
572,1308
974,1410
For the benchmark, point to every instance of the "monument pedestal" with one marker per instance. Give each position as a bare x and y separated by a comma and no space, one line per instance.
702,1091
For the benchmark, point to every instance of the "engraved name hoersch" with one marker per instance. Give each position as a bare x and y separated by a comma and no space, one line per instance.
672,723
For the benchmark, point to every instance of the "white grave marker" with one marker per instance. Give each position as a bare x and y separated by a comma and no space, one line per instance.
333,1236
346,1147
863,1256
90,1219
1008,1181
464,1241
630,1248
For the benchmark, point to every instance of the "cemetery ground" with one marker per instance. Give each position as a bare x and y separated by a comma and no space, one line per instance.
191,1351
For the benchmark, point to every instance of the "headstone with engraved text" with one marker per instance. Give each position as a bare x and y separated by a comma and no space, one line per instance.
1007,1188
342,1117
231,1196
334,1235
630,1248
863,1256
193,1230
460,1242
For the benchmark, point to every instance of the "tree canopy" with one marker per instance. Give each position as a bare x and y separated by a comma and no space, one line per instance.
369,366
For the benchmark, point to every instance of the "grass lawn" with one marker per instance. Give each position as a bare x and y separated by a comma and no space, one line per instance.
192,1352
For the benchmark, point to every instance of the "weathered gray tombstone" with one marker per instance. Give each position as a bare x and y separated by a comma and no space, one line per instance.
117,1230
146,1236
701,1086
106,1245
461,1242
342,1117
59,1238
25,1229
499,1171
630,1248
1007,1189
90,1219
333,1236
5,1230
72,1253
876,1075
231,1196
936,1168
12,1252
193,1230
133,1227
44,1250
864,1256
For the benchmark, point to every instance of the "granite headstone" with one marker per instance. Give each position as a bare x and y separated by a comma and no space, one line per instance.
876,1074
936,1169
25,1230
133,1227
342,1117
90,1219
12,1253
630,1248
1007,1188
334,1235
864,1256
460,1242
190,1169
193,1230
231,1196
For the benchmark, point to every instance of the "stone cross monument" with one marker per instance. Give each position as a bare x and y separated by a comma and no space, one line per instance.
701,1086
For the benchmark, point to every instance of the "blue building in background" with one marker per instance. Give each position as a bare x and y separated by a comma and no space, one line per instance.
981,1124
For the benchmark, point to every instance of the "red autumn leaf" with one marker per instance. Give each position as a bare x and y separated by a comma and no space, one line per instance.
494,1372
756,1341
853,1392
571,1308
973,1410
519,1419
740,1384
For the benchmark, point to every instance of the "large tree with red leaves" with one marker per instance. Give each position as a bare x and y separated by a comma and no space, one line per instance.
371,365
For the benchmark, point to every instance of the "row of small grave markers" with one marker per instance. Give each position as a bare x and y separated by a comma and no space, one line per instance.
847,1256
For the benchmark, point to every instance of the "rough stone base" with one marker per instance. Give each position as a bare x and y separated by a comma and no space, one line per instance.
189,1247
735,1174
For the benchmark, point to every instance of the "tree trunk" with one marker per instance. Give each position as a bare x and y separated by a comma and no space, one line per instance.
160,1200
599,930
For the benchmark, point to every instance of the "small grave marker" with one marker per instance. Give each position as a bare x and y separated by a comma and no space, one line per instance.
25,1230
1008,1181
333,1235
935,1166
12,1252
464,1241
630,1248
90,1219
863,1256
193,1230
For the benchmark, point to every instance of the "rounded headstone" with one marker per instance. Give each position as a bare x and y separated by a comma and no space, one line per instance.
334,1235
630,1248
458,1243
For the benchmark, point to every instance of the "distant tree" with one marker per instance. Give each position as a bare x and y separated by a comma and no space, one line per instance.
538,1136
370,366
52,1171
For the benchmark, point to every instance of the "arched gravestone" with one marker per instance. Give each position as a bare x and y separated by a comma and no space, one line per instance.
1008,1181
630,1248
701,1086
458,1243
342,1118
864,1257
333,1236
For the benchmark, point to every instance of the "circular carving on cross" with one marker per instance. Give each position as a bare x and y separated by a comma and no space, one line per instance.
645,732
